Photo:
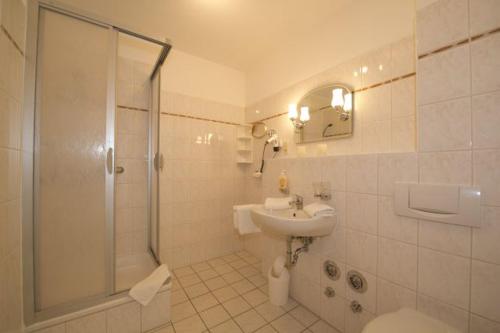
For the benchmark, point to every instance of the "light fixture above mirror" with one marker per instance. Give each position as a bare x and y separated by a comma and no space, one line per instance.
323,113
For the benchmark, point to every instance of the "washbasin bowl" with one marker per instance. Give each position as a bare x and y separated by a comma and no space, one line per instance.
292,222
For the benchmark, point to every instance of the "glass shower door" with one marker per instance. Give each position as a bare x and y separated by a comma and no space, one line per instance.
74,143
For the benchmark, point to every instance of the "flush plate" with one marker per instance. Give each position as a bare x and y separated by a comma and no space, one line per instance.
453,204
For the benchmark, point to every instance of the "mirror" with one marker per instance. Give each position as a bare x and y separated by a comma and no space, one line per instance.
330,114
259,129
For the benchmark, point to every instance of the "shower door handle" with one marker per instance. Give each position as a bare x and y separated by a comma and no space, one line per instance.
158,162
109,161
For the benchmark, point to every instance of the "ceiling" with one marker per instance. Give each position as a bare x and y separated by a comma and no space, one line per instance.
235,33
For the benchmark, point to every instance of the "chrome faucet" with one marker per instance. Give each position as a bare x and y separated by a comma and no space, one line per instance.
297,201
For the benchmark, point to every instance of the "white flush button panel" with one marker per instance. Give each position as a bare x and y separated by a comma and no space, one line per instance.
452,204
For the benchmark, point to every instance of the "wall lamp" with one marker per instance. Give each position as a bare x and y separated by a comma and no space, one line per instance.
342,103
299,120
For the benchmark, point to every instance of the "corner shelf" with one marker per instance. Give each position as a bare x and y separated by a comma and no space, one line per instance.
244,144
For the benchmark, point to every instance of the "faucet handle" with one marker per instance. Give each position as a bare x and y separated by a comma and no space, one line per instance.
297,201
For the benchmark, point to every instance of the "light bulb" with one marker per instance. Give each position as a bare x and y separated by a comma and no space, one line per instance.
304,114
292,111
337,98
348,102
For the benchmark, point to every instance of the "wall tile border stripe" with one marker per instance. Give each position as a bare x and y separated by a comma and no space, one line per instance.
459,43
200,118
179,115
9,37
395,79
131,108
386,82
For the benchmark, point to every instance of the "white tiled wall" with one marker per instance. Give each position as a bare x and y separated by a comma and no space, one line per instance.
384,115
449,272
458,124
12,31
200,181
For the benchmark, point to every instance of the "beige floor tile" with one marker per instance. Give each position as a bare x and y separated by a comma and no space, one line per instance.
196,290
216,283
192,324
226,327
270,311
223,269
182,311
242,286
251,259
178,296
257,280
232,277
189,280
304,316
248,271
224,294
214,316
266,329
207,274
264,288
235,281
199,267
242,253
216,262
236,306
287,324
240,263
166,329
292,304
176,285
204,302
250,321
322,327
255,297
183,271
231,258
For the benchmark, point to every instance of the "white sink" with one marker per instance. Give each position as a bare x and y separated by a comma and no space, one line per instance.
292,222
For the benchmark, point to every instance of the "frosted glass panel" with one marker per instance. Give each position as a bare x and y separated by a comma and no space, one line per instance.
70,250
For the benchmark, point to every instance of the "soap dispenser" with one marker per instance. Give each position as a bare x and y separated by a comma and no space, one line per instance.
283,182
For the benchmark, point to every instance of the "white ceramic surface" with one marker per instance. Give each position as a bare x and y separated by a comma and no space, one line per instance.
291,222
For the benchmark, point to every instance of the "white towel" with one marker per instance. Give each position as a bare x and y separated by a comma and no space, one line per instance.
144,291
277,203
316,209
242,220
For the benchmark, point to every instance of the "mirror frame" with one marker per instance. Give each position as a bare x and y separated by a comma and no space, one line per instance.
299,132
257,125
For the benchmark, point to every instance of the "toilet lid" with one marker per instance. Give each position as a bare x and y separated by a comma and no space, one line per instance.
408,321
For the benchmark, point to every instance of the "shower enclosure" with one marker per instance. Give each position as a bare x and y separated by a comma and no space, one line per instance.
90,188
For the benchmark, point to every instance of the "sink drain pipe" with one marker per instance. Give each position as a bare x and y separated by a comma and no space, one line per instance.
293,256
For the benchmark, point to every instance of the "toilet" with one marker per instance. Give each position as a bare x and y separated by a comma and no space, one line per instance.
408,321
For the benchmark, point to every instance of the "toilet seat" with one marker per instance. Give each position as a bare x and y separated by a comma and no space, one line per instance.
408,321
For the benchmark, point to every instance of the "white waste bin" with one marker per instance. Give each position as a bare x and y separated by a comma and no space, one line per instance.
278,286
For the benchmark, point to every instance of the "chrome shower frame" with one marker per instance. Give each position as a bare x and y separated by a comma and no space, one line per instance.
29,169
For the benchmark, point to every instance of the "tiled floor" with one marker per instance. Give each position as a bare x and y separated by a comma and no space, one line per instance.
227,295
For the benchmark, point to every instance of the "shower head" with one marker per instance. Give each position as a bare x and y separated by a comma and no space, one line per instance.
326,128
